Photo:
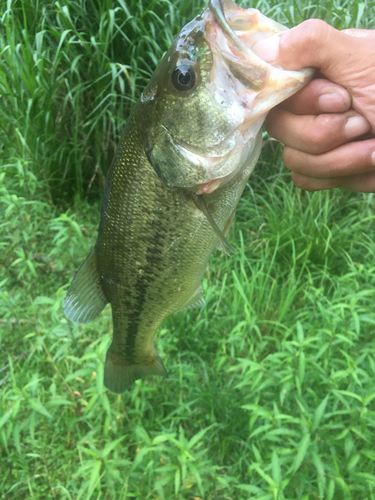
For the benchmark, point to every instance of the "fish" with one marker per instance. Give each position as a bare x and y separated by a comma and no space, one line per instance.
186,154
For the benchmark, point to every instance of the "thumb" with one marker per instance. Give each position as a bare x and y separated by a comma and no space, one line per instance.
312,43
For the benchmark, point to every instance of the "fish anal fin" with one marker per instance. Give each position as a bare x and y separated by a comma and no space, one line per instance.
195,301
119,374
85,299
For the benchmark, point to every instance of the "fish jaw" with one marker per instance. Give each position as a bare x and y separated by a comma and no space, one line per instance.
254,87
239,30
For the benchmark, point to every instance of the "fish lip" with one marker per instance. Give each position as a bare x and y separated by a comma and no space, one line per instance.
236,23
237,48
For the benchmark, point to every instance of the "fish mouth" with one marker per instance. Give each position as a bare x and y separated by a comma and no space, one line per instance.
232,31
245,84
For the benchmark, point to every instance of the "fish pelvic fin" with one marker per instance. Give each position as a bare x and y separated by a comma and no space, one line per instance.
85,299
119,374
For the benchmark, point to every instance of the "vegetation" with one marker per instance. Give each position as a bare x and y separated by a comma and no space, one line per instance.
271,389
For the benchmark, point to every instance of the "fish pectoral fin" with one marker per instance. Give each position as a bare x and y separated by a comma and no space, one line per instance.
195,301
201,205
119,374
85,299
226,229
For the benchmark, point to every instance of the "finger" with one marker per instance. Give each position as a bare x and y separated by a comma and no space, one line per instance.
314,43
319,96
314,184
369,34
363,183
342,58
315,134
352,158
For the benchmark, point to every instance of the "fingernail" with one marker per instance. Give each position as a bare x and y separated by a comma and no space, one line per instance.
267,49
373,158
355,126
331,103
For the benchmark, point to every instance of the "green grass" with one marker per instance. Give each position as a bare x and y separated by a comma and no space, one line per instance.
271,389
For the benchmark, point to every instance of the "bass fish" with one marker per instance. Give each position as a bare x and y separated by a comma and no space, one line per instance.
188,149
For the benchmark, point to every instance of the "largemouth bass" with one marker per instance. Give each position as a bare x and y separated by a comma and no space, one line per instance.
188,149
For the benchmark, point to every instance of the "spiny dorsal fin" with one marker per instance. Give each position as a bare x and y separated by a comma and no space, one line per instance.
195,301
201,205
85,299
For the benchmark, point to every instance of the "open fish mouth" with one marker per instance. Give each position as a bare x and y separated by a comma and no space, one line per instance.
241,82
240,29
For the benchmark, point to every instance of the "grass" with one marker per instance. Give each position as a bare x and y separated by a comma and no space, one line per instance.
271,388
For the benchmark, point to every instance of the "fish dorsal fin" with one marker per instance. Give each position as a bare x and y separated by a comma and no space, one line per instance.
195,301
201,205
85,299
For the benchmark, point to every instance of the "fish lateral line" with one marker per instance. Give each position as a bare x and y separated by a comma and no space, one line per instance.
201,204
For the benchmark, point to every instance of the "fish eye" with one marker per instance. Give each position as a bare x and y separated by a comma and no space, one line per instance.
183,77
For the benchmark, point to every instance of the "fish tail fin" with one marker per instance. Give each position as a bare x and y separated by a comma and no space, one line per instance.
120,374
85,299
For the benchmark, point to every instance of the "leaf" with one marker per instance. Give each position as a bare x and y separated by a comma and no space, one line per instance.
194,471
331,490
342,435
110,447
16,437
94,478
353,461
198,436
89,451
265,476
276,471
319,412
161,438
58,401
260,429
42,300
249,488
351,394
5,418
342,483
301,367
317,461
369,478
139,457
106,404
177,481
36,405
302,449
369,398
300,334
369,454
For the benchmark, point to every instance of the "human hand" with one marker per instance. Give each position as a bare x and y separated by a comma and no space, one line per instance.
323,125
